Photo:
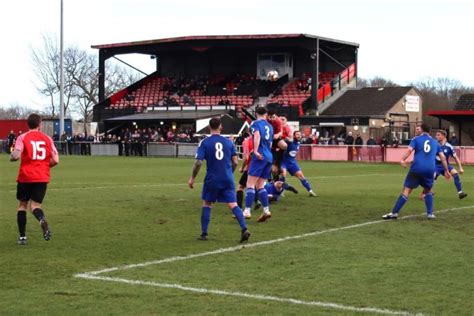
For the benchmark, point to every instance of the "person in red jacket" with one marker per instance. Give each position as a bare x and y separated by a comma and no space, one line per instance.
38,154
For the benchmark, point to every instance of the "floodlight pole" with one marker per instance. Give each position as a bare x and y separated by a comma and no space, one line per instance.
61,75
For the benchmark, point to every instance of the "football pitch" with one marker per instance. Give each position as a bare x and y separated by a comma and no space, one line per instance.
124,242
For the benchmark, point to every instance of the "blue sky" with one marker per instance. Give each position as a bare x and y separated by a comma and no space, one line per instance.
401,40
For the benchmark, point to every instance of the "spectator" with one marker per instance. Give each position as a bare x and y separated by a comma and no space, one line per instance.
349,141
454,140
383,146
371,143
359,143
395,142
11,141
332,140
55,137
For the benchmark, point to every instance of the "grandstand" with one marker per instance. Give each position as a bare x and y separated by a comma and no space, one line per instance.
230,73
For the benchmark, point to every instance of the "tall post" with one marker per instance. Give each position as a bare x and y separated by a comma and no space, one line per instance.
101,75
315,75
61,74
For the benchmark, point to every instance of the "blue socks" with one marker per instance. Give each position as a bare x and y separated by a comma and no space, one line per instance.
306,184
399,204
263,197
237,211
457,182
429,202
249,197
205,219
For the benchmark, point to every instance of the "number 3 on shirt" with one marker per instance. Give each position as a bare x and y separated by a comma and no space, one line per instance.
267,132
39,152
426,146
219,151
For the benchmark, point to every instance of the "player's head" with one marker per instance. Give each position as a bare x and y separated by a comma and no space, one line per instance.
272,115
34,121
297,135
261,112
215,124
441,135
423,128
284,119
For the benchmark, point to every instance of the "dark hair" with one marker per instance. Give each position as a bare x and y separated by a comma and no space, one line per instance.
283,115
271,112
214,123
294,133
34,120
261,110
425,128
442,131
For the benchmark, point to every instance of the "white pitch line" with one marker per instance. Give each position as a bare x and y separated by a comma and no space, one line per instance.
256,244
141,185
245,295
94,275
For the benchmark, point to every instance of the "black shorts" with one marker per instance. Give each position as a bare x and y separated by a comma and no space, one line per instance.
34,191
243,178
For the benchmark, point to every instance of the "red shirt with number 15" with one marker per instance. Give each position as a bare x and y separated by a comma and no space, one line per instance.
36,150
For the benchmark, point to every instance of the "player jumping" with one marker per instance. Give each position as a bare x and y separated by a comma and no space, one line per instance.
422,170
38,154
278,145
449,151
290,164
221,159
260,164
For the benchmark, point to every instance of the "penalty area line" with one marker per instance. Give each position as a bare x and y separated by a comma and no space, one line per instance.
243,295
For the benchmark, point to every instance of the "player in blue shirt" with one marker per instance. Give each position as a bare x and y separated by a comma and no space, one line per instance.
260,164
422,170
221,159
449,151
290,164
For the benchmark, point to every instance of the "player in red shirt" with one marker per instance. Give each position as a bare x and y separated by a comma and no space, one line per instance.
38,154
247,149
279,145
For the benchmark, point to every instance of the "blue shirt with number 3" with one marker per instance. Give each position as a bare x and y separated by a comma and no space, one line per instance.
266,138
426,149
218,152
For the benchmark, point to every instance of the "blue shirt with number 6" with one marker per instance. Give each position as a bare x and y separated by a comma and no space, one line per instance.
426,149
266,138
218,152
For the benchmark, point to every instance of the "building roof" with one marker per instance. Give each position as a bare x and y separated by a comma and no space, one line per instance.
367,101
168,115
218,37
465,102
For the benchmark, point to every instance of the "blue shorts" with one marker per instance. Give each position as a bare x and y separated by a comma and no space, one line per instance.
291,167
413,180
212,195
260,168
440,170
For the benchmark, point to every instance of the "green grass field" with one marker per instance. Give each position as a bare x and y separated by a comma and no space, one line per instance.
112,212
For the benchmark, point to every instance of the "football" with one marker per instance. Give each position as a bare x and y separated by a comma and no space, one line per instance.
272,75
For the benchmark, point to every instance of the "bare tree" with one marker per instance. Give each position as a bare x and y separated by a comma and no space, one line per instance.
375,82
15,112
81,84
45,61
